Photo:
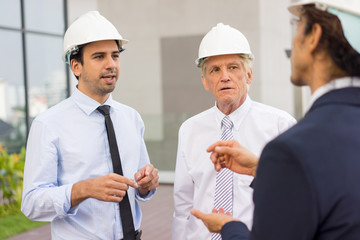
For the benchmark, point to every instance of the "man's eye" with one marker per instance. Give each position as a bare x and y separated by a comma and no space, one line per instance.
116,56
233,67
214,70
99,57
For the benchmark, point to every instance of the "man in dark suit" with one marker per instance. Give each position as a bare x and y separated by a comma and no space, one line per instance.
307,180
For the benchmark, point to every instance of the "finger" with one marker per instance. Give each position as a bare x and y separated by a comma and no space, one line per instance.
214,157
129,182
149,183
221,159
132,183
114,198
197,213
151,177
145,171
228,143
212,147
214,210
148,169
221,210
225,150
218,161
140,174
218,167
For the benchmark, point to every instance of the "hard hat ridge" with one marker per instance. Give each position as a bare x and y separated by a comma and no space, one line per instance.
223,39
90,27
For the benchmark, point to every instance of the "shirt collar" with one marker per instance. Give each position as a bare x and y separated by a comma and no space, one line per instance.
332,85
86,103
236,116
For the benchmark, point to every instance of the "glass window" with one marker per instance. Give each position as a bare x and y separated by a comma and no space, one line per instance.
12,92
10,13
46,72
23,95
44,16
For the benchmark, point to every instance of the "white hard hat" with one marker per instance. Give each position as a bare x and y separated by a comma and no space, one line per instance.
89,27
223,39
348,11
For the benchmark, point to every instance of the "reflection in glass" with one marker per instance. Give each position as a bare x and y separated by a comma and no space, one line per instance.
44,16
46,73
12,100
10,13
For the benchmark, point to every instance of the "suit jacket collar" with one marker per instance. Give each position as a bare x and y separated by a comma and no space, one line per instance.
343,96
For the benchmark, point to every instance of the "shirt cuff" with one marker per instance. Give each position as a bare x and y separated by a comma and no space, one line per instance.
147,197
63,205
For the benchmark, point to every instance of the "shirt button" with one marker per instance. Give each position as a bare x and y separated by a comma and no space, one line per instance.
118,235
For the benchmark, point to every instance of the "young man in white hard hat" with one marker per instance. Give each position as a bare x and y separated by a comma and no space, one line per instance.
69,174
225,60
307,180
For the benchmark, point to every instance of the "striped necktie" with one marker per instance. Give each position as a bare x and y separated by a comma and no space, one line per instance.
224,178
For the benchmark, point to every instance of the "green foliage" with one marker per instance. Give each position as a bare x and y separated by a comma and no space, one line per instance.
11,181
15,224
12,221
8,209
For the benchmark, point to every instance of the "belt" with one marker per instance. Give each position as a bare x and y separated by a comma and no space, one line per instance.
137,235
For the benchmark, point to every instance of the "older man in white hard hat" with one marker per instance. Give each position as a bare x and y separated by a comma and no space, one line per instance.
307,180
84,153
225,60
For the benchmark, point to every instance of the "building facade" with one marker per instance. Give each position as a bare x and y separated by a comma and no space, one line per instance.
158,75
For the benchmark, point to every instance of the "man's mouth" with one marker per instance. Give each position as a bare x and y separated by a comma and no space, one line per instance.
109,78
225,88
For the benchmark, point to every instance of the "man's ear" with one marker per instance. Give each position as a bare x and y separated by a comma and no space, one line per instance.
204,82
76,67
249,75
314,37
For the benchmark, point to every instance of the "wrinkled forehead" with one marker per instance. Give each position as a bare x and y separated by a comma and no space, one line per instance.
223,60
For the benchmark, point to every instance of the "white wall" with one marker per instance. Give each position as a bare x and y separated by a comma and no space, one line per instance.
145,22
275,37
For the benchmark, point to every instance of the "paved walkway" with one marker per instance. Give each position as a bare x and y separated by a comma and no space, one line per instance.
156,223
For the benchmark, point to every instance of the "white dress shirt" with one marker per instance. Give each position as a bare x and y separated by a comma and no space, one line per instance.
67,144
255,124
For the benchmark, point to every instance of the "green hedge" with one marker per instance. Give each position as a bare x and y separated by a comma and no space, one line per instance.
11,181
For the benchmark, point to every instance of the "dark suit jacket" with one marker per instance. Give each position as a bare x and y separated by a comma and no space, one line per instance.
308,178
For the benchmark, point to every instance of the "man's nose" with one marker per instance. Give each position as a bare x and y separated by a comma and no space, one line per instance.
225,76
110,62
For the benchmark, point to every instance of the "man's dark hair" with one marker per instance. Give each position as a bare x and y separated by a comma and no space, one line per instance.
333,39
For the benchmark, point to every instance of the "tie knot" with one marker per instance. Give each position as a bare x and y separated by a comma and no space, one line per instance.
227,123
104,109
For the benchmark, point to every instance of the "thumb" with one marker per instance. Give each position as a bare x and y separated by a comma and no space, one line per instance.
131,183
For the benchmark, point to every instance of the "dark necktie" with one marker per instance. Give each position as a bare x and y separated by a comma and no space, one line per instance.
125,209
